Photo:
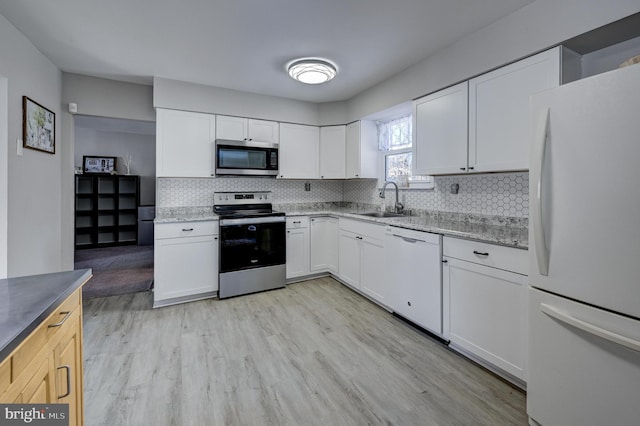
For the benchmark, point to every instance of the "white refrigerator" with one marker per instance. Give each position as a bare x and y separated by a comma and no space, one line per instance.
584,251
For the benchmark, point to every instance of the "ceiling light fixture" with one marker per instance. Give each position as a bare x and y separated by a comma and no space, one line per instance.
311,70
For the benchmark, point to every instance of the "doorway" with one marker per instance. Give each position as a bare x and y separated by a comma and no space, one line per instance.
112,203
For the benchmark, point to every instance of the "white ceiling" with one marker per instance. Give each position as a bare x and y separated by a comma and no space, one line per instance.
245,44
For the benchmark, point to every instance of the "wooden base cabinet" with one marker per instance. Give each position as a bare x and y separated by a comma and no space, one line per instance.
485,307
46,367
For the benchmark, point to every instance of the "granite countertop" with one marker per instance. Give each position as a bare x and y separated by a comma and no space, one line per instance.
506,231
184,214
27,301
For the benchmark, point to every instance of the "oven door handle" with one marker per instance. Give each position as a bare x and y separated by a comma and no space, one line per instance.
253,220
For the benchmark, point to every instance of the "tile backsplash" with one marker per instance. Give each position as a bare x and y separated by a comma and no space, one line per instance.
187,192
499,194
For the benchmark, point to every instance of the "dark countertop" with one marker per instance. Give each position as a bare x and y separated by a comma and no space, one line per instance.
27,301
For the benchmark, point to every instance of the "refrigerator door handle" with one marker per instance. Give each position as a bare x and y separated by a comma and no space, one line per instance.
590,328
542,253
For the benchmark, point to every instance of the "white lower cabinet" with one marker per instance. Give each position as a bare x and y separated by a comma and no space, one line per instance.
297,246
361,262
413,276
485,304
185,262
324,233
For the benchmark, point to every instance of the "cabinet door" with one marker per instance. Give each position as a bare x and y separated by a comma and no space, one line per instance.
68,364
350,258
440,132
231,128
486,313
185,267
40,389
299,151
297,252
499,111
361,150
324,244
373,282
263,131
332,152
184,144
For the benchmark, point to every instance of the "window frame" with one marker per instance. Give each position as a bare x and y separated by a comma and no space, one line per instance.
383,154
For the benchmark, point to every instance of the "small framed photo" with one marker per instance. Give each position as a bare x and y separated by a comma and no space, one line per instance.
98,165
38,127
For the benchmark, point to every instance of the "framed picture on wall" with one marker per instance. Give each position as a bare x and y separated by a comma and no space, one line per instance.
98,165
38,127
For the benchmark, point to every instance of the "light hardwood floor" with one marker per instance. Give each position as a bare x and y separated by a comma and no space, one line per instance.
315,353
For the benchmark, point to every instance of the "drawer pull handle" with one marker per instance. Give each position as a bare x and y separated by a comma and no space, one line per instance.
478,253
296,221
187,229
66,314
68,368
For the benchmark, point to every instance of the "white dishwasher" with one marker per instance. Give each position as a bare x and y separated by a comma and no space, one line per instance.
413,270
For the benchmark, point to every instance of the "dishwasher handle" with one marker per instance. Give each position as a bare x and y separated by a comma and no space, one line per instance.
409,240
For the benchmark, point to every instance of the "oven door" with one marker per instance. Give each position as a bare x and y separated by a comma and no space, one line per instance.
252,243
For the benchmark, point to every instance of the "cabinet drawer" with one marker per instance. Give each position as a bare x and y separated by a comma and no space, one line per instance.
66,314
507,258
297,222
362,228
185,229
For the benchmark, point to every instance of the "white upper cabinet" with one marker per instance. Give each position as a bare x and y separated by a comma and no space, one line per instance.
299,151
482,125
263,131
440,132
362,150
239,129
499,111
184,143
332,152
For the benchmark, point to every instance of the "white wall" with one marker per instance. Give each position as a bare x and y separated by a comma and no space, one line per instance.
185,96
535,27
4,183
34,179
113,144
108,98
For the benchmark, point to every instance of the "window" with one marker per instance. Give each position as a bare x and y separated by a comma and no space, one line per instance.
394,141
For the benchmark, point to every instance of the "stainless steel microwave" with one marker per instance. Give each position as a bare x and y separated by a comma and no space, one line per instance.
246,158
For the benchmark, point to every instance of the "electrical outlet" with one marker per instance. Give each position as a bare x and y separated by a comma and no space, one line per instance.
19,148
307,186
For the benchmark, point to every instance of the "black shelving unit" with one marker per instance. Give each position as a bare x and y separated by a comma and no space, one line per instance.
106,212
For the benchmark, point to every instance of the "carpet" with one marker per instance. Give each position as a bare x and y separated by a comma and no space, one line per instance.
116,270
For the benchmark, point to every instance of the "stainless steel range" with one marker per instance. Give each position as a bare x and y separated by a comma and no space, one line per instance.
252,243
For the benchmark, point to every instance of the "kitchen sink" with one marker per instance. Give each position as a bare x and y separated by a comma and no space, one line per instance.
381,214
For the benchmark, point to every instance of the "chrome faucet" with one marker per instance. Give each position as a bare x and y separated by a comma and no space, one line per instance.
398,207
